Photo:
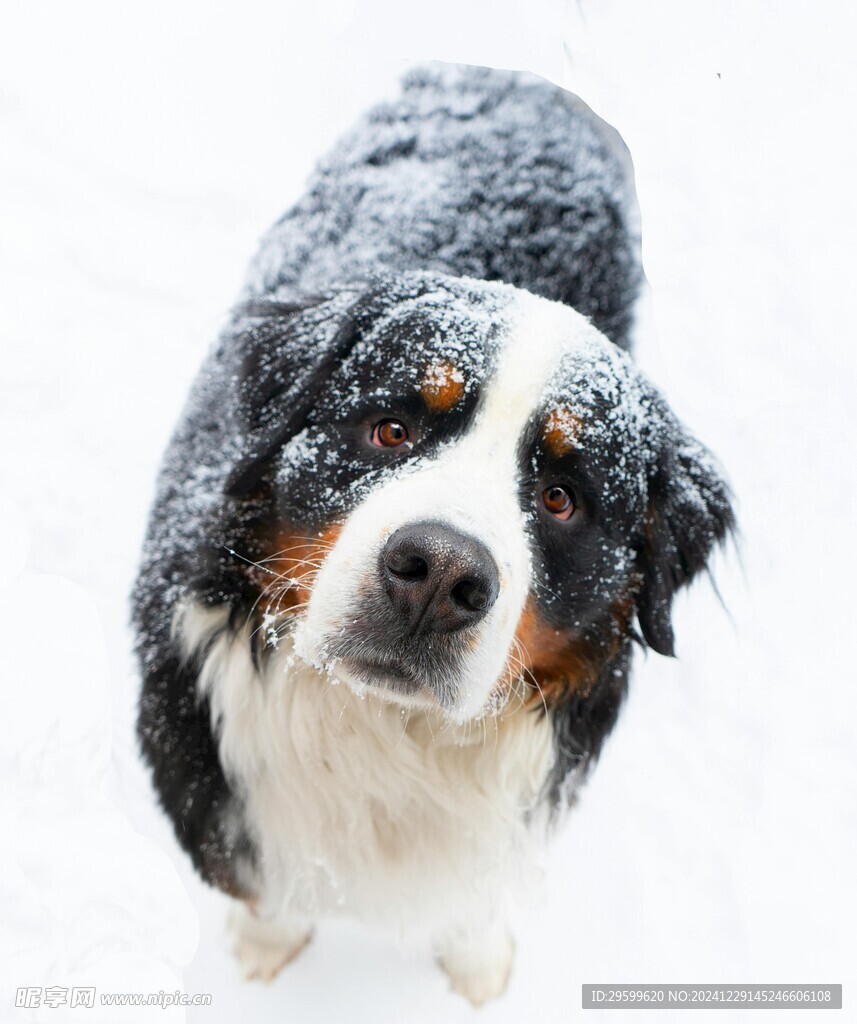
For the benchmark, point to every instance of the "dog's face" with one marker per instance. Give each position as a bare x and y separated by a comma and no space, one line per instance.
470,485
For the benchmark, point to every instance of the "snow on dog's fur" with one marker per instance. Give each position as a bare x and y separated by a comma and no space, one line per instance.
416,512
472,485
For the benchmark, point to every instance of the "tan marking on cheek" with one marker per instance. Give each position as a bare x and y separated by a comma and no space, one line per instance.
442,387
562,432
286,575
556,662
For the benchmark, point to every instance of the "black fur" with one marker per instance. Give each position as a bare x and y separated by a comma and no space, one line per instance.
176,739
581,724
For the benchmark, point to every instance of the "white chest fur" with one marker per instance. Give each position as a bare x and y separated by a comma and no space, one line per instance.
360,807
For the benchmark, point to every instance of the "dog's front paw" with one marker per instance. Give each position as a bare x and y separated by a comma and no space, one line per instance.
479,972
263,948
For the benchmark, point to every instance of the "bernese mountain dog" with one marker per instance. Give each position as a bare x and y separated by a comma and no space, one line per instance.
418,509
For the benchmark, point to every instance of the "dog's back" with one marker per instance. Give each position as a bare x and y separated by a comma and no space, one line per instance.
490,174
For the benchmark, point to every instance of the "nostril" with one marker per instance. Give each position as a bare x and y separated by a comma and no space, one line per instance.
470,595
407,565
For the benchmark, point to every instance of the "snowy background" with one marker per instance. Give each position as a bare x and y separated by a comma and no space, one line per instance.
143,150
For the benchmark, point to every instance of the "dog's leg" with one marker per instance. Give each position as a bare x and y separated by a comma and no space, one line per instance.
477,960
264,946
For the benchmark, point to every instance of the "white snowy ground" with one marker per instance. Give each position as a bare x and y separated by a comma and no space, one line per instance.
144,149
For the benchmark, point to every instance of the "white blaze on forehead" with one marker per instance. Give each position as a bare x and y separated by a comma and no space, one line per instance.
540,333
473,485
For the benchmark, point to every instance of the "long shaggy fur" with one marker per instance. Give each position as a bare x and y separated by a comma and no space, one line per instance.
317,751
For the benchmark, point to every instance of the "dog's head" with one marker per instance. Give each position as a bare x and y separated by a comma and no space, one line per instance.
468,485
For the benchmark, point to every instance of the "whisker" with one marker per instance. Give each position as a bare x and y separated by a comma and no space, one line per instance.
295,547
523,648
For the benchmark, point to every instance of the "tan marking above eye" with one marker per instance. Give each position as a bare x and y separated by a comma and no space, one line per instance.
442,386
562,431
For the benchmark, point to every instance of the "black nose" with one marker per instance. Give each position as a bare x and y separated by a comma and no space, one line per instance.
438,580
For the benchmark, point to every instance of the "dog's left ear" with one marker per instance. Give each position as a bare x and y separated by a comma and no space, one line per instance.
284,351
689,513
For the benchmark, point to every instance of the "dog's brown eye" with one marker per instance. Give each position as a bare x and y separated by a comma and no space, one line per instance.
389,434
558,502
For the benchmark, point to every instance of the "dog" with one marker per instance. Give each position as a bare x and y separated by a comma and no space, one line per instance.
419,508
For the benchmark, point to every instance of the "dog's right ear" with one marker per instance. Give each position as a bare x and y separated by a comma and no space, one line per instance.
690,513
285,351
